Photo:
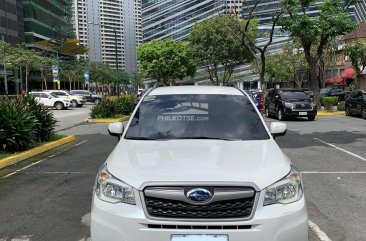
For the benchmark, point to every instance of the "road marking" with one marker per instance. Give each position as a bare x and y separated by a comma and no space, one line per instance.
37,162
341,149
19,238
55,172
319,233
315,172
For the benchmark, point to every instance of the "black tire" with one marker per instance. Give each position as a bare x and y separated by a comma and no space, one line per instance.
280,115
311,117
59,105
96,101
74,103
80,105
348,111
363,113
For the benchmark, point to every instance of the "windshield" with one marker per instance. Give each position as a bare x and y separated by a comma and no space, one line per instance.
294,96
196,117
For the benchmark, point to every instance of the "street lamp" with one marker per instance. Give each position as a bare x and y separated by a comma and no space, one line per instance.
115,50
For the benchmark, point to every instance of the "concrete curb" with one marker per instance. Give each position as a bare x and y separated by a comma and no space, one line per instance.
108,120
18,157
334,113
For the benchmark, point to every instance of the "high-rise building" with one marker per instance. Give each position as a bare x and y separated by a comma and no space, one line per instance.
11,26
360,11
47,20
104,25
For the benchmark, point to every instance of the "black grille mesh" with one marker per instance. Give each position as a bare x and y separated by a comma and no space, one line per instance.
237,208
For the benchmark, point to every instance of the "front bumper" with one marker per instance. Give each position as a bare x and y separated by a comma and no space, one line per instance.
299,113
81,102
123,222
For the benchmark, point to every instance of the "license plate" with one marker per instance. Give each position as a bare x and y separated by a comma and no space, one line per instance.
200,238
303,113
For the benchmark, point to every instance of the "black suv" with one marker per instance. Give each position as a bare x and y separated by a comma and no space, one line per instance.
284,103
356,103
333,90
90,97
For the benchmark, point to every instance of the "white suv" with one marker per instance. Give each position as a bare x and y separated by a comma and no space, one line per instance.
198,164
51,100
76,100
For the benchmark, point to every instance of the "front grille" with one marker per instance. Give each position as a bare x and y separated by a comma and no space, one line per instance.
302,107
180,209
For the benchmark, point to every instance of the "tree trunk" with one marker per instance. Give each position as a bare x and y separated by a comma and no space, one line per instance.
314,83
359,81
26,79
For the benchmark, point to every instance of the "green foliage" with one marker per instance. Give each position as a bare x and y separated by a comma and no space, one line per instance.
214,43
341,106
137,80
329,102
109,108
357,53
283,66
101,73
46,122
24,122
165,60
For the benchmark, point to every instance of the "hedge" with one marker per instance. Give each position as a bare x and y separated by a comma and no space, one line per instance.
329,102
109,108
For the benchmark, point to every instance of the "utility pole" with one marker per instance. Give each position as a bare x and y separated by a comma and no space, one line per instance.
5,72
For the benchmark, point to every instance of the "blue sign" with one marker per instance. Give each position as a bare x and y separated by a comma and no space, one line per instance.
55,70
86,76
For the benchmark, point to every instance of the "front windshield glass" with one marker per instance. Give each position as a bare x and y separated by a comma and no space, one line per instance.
53,95
224,117
294,96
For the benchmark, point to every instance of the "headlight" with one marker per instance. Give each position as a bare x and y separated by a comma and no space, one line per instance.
313,105
110,189
287,190
289,105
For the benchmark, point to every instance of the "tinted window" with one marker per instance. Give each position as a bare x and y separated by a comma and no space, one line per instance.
54,95
35,94
196,117
294,95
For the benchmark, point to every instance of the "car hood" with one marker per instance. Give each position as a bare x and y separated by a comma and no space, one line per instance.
256,163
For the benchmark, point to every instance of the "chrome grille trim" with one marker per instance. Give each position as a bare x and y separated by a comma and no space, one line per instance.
255,195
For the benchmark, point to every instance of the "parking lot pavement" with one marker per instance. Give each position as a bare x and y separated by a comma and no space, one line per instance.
331,154
71,117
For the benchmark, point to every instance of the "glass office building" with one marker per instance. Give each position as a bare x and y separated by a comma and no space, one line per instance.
45,19
11,24
175,19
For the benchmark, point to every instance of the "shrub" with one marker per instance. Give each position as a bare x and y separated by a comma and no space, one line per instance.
329,102
341,106
109,108
23,122
17,126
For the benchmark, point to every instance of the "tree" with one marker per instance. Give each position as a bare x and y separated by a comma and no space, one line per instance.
165,60
137,80
357,53
44,65
217,49
316,32
243,32
285,65
24,57
72,70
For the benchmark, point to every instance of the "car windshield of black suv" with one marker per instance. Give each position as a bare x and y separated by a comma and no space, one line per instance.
222,117
295,96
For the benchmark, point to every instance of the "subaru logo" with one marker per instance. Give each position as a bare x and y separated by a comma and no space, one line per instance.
199,195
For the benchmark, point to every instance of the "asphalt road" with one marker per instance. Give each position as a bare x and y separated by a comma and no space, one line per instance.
50,199
72,116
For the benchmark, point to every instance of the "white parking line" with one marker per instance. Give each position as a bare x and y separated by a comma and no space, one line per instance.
319,233
35,163
341,149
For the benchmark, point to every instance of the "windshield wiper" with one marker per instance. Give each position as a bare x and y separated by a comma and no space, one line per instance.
141,138
209,138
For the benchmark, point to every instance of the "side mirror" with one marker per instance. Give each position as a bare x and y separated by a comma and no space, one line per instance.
116,129
49,97
278,129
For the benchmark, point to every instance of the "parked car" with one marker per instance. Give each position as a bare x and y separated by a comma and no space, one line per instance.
333,90
284,103
51,100
259,97
76,100
253,97
89,96
179,173
356,103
